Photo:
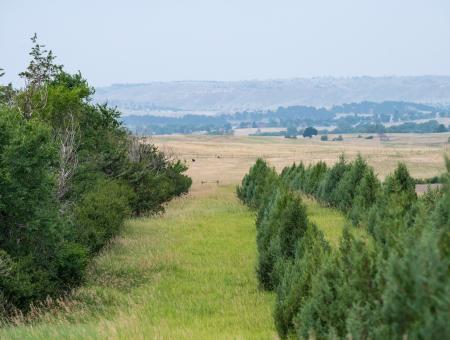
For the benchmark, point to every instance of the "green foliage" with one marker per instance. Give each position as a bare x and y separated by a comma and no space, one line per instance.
346,188
99,215
267,238
280,224
256,184
69,177
327,192
365,196
394,284
295,283
154,179
416,297
310,132
394,210
312,177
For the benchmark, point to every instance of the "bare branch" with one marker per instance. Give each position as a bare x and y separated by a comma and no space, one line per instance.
68,160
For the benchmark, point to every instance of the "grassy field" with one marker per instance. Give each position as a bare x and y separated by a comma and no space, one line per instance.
228,158
186,274
190,273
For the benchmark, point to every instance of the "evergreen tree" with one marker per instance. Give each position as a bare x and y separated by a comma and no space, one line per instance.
326,192
365,196
313,176
260,179
268,237
349,183
295,283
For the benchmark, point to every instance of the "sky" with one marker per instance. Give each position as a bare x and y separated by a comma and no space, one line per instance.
138,41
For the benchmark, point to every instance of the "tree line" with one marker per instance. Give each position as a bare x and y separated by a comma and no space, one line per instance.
70,174
392,284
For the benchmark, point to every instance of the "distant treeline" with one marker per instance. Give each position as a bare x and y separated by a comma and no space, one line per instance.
392,281
347,118
70,174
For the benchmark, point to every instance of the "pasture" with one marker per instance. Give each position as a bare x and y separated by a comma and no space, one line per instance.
228,158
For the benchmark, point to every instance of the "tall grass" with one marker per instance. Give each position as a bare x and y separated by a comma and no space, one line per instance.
189,273
186,274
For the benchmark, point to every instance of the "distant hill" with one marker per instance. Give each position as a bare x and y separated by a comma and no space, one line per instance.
213,97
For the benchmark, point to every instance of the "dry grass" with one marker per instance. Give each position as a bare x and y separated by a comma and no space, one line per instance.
228,158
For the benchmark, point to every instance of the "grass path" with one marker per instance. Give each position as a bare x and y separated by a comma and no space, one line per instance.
187,274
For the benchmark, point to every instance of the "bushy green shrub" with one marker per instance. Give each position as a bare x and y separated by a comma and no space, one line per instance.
281,223
313,176
365,196
100,214
154,179
347,186
416,296
295,282
327,188
394,210
267,236
69,177
256,184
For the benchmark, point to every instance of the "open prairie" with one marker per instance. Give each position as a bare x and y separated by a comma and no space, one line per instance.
227,158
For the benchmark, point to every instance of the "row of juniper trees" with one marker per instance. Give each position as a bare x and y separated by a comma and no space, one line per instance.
392,283
70,175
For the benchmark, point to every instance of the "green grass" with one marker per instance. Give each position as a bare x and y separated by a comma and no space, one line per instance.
189,273
186,274
331,222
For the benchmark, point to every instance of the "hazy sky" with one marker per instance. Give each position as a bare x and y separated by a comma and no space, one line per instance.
140,41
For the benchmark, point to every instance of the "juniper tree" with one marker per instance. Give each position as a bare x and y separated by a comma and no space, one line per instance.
365,196
416,297
259,179
349,183
328,185
295,283
313,175
394,209
267,234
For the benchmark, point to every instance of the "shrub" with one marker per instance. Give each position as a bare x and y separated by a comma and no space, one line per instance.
100,214
295,282
393,284
365,196
324,138
416,297
154,179
267,236
313,176
326,191
256,184
347,186
68,175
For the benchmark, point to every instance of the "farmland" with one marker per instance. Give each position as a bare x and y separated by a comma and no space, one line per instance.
228,158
